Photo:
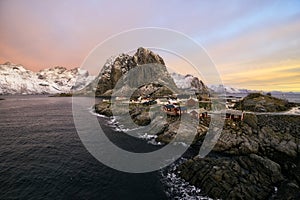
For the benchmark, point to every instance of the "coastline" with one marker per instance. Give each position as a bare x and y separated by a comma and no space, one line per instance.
249,159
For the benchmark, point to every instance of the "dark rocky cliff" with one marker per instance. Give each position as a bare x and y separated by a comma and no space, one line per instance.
250,160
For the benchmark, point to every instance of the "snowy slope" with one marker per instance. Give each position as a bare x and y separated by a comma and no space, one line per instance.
181,81
15,79
189,83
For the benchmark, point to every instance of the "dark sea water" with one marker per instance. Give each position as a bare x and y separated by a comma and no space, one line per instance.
42,157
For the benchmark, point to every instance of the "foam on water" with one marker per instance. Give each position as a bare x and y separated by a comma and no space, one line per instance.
92,111
150,139
178,188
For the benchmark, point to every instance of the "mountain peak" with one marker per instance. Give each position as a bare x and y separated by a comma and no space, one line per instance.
116,67
8,63
146,56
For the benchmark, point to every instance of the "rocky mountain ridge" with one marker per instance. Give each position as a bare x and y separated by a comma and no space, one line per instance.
228,89
117,67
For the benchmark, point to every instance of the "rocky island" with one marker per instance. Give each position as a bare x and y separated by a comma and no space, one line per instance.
258,102
256,157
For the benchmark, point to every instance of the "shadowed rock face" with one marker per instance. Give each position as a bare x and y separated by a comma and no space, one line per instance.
199,85
243,177
144,80
115,68
145,56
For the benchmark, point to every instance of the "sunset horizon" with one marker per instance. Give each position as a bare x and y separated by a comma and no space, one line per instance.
254,45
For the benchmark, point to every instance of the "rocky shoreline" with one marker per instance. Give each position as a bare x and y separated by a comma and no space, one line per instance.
255,159
258,157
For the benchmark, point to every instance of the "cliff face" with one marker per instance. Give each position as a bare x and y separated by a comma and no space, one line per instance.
116,67
145,56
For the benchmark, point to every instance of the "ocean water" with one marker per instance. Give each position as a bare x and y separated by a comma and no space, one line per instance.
42,157
292,97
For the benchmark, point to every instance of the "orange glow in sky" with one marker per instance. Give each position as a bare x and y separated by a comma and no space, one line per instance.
254,44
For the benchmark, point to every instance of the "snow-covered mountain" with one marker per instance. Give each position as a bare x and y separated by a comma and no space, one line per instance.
16,79
227,89
189,83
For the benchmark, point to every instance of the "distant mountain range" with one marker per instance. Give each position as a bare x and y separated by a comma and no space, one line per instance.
229,89
16,79
233,90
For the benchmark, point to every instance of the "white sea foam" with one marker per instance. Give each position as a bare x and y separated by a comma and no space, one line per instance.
92,111
178,188
180,143
111,122
150,138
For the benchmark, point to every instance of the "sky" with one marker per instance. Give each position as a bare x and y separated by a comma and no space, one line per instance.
254,44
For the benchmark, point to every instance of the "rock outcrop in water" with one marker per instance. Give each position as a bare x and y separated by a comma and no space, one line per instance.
257,102
250,160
